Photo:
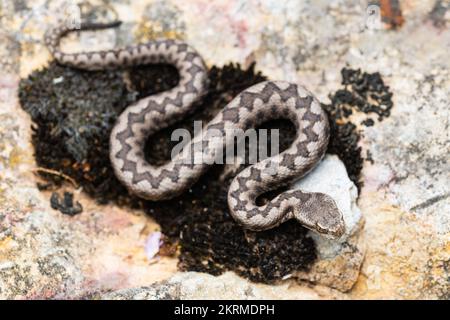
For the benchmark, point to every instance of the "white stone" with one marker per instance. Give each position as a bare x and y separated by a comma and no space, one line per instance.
330,177
193,285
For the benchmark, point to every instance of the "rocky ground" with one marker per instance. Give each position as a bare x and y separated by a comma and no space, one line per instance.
398,240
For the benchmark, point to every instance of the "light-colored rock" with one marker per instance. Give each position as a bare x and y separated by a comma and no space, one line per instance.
192,285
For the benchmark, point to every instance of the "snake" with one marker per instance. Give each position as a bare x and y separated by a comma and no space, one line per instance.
253,106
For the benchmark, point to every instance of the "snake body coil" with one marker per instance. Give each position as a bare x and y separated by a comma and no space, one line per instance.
255,105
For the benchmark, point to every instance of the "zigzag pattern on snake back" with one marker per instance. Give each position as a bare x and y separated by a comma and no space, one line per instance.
255,105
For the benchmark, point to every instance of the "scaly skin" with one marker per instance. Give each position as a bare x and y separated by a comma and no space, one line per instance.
259,103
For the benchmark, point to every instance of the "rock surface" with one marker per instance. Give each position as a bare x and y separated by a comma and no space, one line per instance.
191,285
405,200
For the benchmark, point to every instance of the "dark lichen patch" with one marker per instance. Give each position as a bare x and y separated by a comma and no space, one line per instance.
74,112
364,93
217,244
66,205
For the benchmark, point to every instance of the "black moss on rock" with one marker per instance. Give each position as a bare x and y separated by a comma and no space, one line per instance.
365,93
66,205
74,111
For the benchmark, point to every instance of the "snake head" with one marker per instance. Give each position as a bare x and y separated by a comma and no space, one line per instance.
320,214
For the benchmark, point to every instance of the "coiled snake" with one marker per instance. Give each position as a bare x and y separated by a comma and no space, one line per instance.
253,106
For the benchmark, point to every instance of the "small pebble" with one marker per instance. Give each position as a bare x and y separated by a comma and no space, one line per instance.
58,80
